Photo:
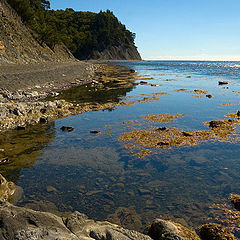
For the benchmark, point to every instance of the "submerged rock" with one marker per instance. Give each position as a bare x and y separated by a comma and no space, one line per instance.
168,230
95,132
126,217
235,200
67,129
213,231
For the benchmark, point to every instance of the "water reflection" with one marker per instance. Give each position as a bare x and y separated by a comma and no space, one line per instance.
22,148
110,85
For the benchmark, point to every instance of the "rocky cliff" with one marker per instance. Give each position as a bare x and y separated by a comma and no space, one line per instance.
117,53
17,44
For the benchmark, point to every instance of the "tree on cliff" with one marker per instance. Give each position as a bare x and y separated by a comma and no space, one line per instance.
81,32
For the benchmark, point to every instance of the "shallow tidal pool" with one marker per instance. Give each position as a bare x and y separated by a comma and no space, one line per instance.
149,173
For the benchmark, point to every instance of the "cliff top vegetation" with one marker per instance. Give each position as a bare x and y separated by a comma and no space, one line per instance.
81,32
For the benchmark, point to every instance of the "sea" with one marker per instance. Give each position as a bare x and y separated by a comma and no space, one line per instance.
121,174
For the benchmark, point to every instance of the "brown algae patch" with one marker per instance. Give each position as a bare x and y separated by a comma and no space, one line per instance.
198,93
159,93
144,141
144,98
163,117
182,90
227,104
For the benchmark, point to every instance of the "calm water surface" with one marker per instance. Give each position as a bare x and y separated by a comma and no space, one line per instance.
96,175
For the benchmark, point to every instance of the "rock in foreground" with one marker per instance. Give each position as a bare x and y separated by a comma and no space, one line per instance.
25,224
167,230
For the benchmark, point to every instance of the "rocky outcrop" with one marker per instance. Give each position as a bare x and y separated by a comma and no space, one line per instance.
117,53
25,224
17,44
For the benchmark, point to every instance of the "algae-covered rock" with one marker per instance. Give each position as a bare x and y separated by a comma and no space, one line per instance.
235,200
213,231
168,230
7,189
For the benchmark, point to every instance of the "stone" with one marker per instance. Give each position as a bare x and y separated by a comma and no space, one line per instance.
20,128
161,129
16,112
238,113
43,120
168,230
143,191
209,96
187,134
215,124
51,189
213,231
43,110
67,129
95,132
235,200
223,82
4,160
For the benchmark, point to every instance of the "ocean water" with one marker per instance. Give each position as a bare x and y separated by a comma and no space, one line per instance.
99,176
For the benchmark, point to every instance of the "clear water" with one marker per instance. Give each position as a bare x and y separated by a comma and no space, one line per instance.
96,175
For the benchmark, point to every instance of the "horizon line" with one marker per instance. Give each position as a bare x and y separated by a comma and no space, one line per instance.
192,60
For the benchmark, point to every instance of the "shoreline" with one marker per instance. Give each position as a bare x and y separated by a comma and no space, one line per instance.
24,106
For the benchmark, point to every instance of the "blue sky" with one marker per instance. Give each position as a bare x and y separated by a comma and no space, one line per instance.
175,29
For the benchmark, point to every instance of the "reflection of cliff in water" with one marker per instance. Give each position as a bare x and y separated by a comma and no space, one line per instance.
109,87
21,149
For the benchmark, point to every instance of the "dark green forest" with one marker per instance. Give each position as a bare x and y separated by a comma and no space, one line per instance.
81,32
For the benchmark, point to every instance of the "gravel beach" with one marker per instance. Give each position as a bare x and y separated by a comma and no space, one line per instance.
50,75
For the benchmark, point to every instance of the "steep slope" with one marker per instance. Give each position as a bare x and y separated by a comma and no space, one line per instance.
117,53
17,44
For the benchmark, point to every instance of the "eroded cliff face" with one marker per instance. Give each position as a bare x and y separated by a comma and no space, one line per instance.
117,53
17,45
